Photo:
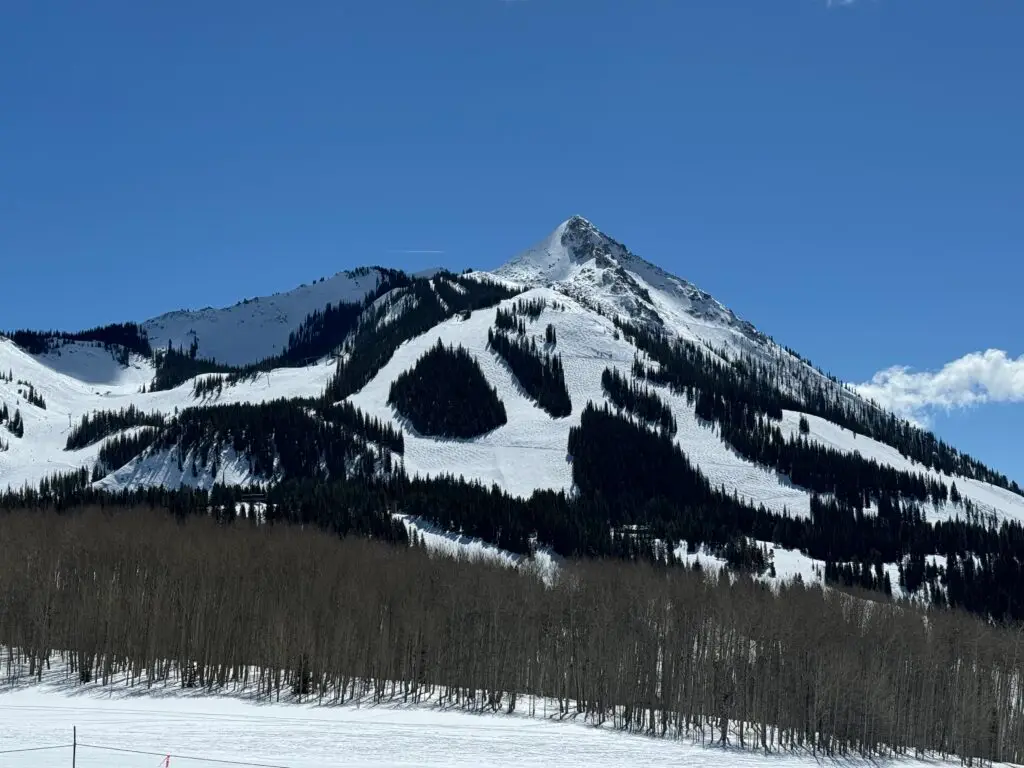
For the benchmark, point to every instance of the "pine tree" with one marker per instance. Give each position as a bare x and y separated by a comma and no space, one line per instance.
17,426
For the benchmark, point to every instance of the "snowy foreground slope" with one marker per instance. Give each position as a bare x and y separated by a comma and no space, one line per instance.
300,736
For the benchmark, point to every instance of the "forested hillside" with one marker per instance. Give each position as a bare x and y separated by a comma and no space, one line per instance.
669,653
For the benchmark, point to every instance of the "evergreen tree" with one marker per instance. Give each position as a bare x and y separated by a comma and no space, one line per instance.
17,425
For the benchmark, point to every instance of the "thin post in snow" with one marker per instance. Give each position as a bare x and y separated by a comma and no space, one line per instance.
74,745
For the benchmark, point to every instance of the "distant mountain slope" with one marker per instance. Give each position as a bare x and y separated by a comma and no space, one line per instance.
258,328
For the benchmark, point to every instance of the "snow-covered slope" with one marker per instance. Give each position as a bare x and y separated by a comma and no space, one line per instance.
81,378
174,724
580,261
256,329
988,499
576,270
529,452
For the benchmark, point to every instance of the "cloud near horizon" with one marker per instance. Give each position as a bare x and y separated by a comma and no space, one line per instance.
976,378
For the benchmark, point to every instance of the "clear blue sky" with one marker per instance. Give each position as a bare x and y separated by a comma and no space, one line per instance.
850,178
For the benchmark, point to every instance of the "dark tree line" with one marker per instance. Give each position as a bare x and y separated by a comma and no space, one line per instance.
445,394
686,367
323,331
176,366
281,439
507,320
100,424
819,468
665,652
745,556
642,402
539,373
130,336
860,576
346,415
118,450
515,317
407,313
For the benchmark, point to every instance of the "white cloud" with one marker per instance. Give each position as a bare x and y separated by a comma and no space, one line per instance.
976,378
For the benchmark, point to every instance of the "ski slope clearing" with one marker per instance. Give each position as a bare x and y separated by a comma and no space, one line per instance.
301,736
256,329
989,499
529,452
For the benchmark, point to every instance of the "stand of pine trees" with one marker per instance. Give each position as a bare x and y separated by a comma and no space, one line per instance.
120,449
539,373
15,424
666,652
282,439
129,336
176,366
640,401
100,424
445,394
32,395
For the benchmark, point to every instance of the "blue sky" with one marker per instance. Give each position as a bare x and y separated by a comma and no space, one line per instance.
848,176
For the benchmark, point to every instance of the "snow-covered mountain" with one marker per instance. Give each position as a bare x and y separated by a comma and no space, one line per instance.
581,283
580,261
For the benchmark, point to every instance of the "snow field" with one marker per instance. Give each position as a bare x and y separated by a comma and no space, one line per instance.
221,727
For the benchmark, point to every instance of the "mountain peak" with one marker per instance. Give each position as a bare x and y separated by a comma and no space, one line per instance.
580,261
578,222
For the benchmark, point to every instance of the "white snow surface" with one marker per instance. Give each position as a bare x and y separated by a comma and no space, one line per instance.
228,728
255,329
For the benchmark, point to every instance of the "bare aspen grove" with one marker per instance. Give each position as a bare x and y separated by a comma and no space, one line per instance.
136,597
